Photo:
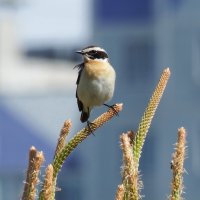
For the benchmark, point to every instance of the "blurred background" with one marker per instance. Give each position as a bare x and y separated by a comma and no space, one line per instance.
37,90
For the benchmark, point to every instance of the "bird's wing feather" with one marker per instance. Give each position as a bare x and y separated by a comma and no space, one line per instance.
80,68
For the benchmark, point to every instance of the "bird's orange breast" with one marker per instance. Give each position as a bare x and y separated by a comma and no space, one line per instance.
94,69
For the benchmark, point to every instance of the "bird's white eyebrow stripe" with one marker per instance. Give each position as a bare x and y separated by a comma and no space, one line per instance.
94,48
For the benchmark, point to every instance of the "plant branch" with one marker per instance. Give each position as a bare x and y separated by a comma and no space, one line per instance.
178,158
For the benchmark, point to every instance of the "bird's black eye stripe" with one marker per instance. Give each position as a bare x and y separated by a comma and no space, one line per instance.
93,52
98,54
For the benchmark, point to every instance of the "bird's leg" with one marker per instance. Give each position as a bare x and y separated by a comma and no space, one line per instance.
112,107
89,124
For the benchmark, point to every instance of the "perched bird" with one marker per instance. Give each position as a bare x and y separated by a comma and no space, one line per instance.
95,82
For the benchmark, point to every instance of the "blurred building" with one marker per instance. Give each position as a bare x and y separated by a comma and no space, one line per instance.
37,86
144,37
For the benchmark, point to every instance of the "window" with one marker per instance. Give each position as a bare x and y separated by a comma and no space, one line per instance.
140,60
196,60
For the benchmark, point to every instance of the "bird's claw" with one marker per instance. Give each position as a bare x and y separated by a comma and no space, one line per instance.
112,107
89,124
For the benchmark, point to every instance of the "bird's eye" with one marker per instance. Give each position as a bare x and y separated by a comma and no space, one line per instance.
93,52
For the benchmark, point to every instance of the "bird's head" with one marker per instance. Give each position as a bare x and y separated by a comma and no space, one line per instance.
94,53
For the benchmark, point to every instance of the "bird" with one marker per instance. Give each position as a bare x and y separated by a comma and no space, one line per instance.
95,82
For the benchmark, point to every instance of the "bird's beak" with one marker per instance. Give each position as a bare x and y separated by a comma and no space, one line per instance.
80,52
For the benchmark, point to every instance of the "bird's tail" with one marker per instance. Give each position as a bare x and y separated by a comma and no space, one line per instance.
84,116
